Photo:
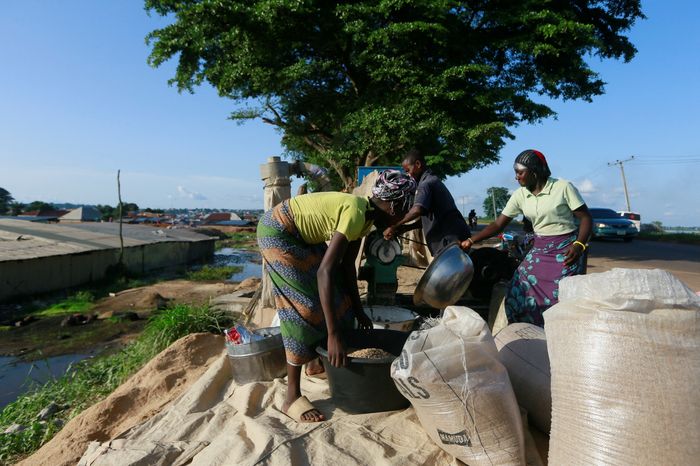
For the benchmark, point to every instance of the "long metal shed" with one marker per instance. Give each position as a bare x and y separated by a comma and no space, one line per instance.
38,257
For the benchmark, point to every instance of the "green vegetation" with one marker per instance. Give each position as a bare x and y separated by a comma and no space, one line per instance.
238,240
357,83
682,238
91,380
79,302
495,197
207,273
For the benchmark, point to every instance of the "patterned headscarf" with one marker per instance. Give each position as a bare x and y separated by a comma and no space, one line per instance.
534,161
393,185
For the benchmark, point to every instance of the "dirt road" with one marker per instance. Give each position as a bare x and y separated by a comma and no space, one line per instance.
682,260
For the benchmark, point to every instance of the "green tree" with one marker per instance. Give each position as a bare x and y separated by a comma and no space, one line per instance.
359,82
6,200
16,208
39,206
498,196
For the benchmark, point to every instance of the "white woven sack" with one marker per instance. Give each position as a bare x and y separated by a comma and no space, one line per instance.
460,392
624,349
522,349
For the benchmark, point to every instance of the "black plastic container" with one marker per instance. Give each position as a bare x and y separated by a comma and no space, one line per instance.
365,385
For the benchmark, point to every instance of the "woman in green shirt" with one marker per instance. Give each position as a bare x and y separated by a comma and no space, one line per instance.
552,205
315,285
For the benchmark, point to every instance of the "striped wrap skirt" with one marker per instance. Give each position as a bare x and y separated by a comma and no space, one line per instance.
292,265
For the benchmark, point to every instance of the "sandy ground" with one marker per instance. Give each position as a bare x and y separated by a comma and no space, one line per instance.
143,395
163,379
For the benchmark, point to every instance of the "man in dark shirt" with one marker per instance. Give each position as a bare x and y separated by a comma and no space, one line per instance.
442,222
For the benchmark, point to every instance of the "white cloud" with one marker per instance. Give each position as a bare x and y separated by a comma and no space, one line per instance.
586,186
187,194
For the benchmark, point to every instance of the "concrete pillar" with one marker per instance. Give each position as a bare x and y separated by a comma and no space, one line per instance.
278,187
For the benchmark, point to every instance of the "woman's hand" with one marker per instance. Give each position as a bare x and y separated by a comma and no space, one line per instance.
336,350
363,321
466,244
573,254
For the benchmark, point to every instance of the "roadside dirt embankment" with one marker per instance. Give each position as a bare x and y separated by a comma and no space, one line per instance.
143,395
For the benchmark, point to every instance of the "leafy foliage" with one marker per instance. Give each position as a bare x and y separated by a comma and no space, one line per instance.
38,206
497,196
360,82
6,200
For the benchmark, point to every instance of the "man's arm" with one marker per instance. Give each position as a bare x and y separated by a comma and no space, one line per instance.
350,276
414,213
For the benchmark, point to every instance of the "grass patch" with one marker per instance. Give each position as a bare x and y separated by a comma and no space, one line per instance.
91,380
681,238
238,240
208,273
79,302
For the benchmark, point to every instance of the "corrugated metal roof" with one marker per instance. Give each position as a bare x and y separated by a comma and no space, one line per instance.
21,240
83,213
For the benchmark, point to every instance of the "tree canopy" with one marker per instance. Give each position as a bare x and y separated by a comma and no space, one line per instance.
359,82
497,196
6,200
38,206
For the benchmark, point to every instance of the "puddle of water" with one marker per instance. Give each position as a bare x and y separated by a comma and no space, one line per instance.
251,262
16,377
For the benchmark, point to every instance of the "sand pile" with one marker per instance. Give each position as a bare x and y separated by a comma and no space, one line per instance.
143,395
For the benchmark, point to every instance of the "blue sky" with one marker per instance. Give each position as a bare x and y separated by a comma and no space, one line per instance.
78,102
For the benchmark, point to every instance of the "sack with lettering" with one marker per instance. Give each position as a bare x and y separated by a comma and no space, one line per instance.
461,392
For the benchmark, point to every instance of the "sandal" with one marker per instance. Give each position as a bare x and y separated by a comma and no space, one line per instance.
301,406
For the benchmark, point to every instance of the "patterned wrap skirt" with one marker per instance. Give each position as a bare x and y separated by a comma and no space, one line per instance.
292,265
535,284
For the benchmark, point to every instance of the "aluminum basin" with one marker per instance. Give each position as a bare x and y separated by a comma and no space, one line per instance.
446,279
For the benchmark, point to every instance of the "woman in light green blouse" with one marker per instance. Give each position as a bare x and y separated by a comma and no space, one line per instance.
553,206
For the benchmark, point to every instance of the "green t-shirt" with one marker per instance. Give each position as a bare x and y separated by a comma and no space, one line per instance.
551,211
319,215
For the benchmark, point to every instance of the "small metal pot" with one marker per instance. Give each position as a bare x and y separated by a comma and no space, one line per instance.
446,279
258,361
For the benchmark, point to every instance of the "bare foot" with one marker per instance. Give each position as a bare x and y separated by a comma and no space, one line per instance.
314,367
312,415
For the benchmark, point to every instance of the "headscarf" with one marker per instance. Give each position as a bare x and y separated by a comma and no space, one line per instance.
534,161
393,186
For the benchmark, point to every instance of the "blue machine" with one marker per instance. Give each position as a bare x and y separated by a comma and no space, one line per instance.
364,171
382,257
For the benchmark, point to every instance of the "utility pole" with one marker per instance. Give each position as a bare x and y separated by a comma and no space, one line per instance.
493,201
624,181
463,201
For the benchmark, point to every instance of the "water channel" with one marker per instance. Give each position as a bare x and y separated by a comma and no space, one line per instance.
250,261
17,376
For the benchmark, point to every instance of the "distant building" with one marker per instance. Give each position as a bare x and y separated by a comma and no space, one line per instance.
82,214
216,217
46,215
234,223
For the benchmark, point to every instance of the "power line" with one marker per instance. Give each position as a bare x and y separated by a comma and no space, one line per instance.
667,160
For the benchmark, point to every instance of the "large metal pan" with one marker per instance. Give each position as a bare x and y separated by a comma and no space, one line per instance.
446,279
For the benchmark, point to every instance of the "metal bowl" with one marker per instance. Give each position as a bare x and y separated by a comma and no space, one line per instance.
446,279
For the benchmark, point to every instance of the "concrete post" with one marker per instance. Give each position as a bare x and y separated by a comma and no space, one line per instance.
278,187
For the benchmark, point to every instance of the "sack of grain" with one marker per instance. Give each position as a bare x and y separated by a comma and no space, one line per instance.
624,348
460,391
522,349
